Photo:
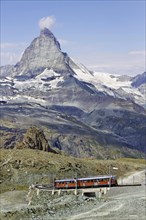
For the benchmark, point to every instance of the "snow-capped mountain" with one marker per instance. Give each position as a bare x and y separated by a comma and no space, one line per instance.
46,87
139,80
44,66
113,85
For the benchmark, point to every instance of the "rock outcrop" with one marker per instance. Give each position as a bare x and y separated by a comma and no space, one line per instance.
34,138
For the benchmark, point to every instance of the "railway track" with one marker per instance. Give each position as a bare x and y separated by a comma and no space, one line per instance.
124,185
46,187
43,187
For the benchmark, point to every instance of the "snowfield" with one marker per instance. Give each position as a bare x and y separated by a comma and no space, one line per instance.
108,83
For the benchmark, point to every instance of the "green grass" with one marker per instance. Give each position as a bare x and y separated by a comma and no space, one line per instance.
28,166
12,187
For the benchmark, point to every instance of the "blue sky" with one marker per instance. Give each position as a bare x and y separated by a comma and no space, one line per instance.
106,36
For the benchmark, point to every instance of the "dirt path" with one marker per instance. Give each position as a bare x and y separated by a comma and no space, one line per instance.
134,177
13,200
126,203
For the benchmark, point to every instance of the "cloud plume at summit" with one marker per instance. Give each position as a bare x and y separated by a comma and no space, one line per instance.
47,22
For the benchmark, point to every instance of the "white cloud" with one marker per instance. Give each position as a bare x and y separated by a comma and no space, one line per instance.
11,52
123,64
137,52
67,43
9,45
63,42
9,58
47,22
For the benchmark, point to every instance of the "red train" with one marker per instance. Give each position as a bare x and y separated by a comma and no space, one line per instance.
98,181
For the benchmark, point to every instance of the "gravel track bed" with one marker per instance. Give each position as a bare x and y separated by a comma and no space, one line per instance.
120,203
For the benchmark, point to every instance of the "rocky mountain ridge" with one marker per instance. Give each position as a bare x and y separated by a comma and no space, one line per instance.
47,88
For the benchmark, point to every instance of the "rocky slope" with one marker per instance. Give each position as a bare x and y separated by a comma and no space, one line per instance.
83,113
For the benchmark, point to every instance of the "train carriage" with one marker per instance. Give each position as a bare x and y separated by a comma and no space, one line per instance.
98,181
65,184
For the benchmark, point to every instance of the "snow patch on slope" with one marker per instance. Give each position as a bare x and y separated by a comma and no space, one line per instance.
43,81
109,84
47,73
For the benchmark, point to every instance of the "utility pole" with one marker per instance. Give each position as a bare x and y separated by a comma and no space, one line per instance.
109,176
114,168
76,181
53,182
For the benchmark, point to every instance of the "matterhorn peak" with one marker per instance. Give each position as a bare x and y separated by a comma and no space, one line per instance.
43,52
46,32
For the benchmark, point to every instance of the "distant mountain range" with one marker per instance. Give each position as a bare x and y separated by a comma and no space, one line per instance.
84,113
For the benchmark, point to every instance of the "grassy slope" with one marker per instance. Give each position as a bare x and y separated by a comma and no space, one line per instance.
33,166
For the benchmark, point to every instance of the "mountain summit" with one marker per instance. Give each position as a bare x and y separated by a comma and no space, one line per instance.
47,32
44,52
